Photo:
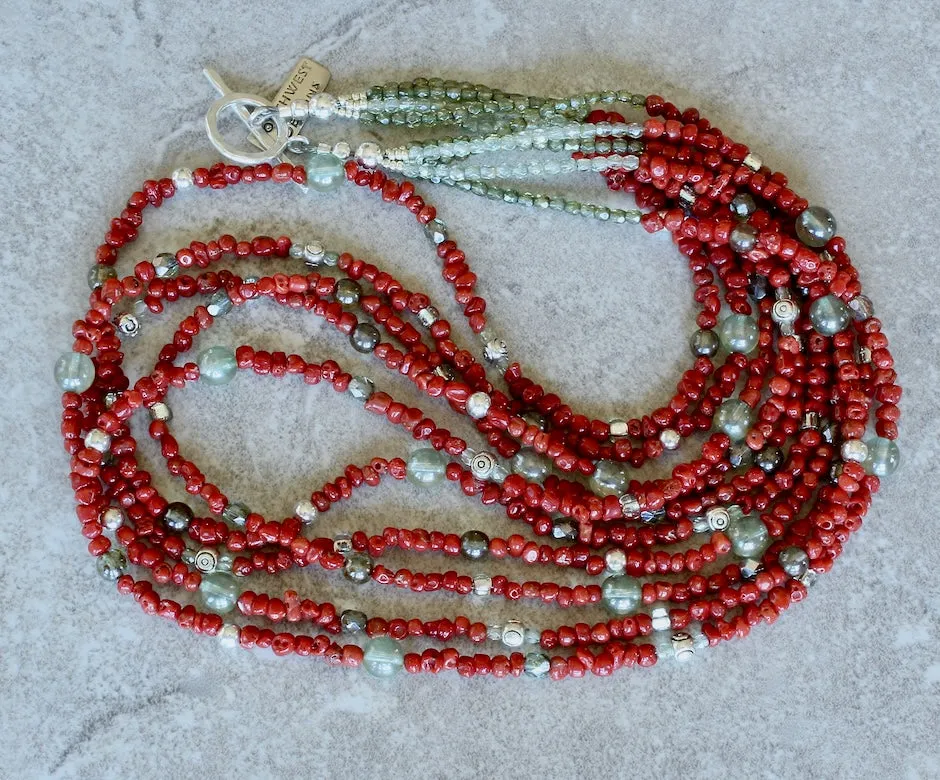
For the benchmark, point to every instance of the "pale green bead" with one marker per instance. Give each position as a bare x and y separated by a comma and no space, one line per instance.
829,315
734,418
621,594
815,226
425,466
217,365
883,456
219,591
325,172
739,333
382,657
749,537
74,372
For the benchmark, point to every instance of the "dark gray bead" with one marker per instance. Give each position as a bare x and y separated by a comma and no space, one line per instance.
178,516
759,288
770,459
704,343
474,545
348,292
353,621
357,568
364,337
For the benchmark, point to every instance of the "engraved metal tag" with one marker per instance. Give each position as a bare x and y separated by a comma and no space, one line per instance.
306,79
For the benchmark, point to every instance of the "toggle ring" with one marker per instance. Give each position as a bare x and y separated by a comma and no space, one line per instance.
244,99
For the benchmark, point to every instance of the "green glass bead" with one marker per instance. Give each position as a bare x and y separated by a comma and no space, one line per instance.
74,372
829,315
739,333
425,466
219,591
735,418
382,657
883,457
748,535
217,365
621,594
325,172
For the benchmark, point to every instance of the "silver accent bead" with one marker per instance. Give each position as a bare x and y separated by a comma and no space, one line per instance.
305,511
482,585
854,450
369,154
630,506
97,439
322,105
743,205
112,518
127,325
177,516
445,371
205,560
357,567
478,404
482,465
683,646
669,438
784,313
313,253
513,634
618,429
342,543
342,150
752,161
182,178
687,197
110,399
495,351
810,421
659,614
228,636
718,518
616,560
428,316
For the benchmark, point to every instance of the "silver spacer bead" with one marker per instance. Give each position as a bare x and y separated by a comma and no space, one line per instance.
322,105
205,560
306,511
687,197
342,543
182,178
428,316
854,450
784,313
495,350
513,634
112,518
810,421
659,614
718,517
228,636
341,149
97,439
313,253
482,585
482,465
615,560
630,506
478,404
127,325
369,154
670,438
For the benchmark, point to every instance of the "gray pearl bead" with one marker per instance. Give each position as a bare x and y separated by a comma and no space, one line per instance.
74,372
749,537
530,465
769,459
348,292
829,315
361,388
815,226
621,594
608,478
884,456
219,591
739,333
353,621
743,238
99,274
425,466
358,568
111,565
383,657
794,561
474,545
178,516
704,343
364,337
735,418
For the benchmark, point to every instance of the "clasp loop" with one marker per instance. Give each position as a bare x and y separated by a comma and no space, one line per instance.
272,144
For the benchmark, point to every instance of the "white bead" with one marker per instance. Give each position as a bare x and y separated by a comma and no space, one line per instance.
342,150
513,634
482,585
854,450
660,618
478,405
616,560
182,178
97,439
369,154
306,511
228,635
669,438
112,518
161,412
618,428
753,162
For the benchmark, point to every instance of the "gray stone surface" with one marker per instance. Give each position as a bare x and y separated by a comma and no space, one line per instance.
842,96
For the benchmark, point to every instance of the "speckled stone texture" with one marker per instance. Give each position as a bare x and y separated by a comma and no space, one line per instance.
841,96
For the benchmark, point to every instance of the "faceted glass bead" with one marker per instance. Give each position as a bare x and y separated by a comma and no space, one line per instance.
219,591
111,565
217,365
383,657
829,315
749,537
739,333
883,457
74,372
815,226
325,172
735,418
425,466
621,594
608,478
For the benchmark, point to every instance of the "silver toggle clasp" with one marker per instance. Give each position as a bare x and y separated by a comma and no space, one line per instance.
272,144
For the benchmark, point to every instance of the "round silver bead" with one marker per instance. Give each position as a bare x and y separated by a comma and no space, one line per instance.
341,149
321,105
482,465
794,561
205,560
358,568
305,511
495,350
364,337
683,646
482,585
743,238
369,154
670,438
854,450
428,316
166,266
513,634
97,439
630,506
478,404
177,516
616,560
127,325
111,565
112,518
228,636
182,178
313,253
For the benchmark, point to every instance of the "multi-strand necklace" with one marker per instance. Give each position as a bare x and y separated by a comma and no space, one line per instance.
770,467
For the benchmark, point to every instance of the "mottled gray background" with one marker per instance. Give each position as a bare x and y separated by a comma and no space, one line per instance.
98,96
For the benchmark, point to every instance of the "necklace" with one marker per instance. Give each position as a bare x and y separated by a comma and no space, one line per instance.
773,409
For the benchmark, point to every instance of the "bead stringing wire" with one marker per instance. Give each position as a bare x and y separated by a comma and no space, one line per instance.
782,389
